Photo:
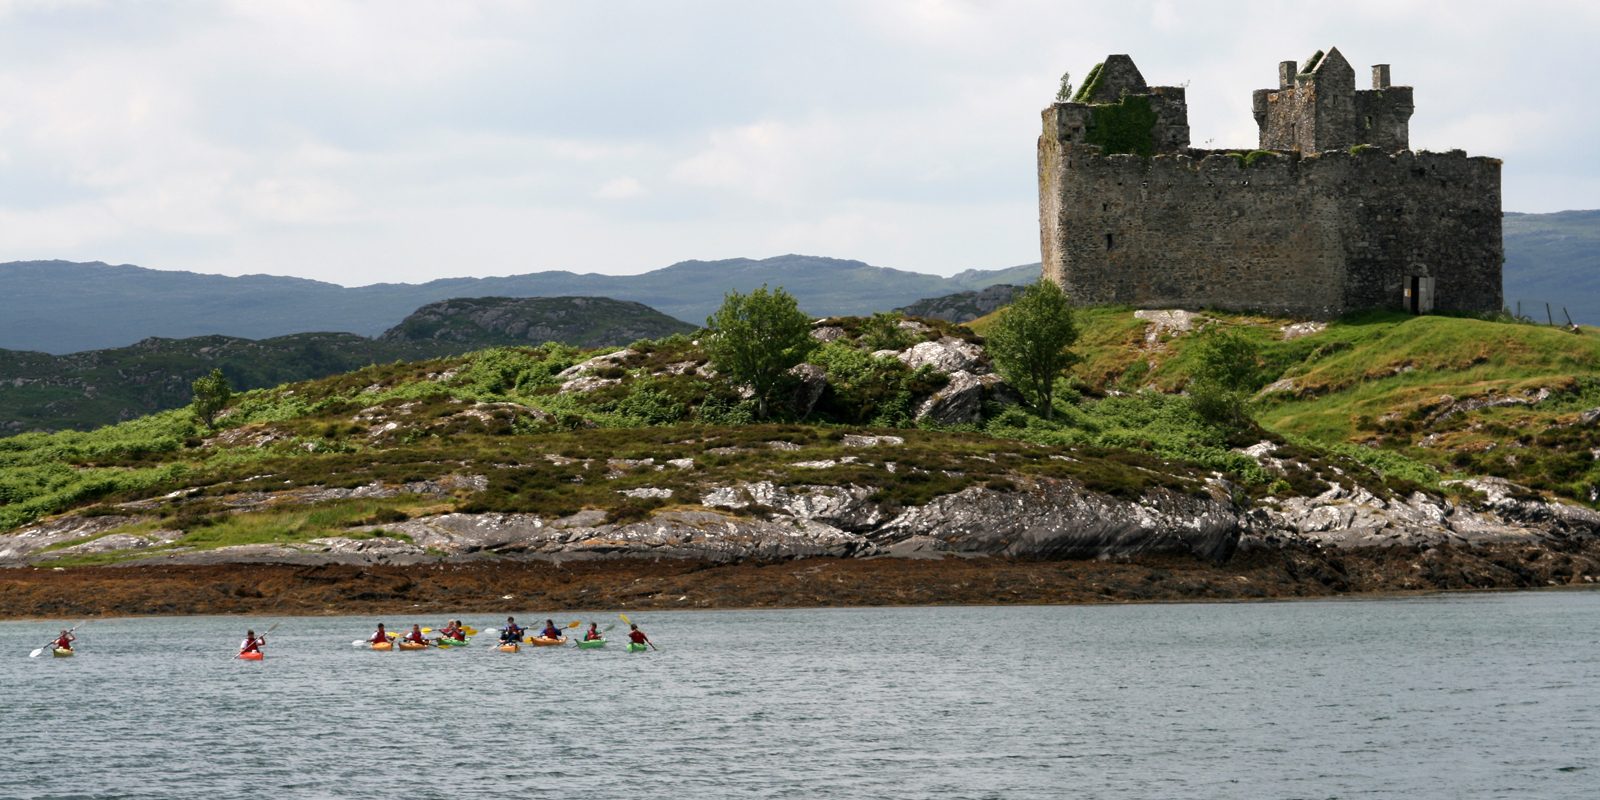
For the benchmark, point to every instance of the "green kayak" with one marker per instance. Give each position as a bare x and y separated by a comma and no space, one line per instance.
635,647
591,644
453,642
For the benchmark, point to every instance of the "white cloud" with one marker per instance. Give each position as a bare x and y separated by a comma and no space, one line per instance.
619,189
407,140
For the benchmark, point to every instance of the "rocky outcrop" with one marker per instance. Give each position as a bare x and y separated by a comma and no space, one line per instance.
580,321
964,306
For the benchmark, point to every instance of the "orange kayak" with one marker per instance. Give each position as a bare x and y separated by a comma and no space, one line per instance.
545,641
413,646
253,655
510,648
383,645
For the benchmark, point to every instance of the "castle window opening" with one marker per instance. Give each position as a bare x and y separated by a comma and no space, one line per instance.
1110,243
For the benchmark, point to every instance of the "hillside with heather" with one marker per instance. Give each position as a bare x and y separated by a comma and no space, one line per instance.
1467,444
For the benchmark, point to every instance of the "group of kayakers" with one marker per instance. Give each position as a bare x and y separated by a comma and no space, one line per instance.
453,633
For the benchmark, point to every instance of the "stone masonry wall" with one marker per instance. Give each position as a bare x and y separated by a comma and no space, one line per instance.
1311,237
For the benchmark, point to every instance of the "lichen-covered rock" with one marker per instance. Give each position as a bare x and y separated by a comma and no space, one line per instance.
961,400
946,355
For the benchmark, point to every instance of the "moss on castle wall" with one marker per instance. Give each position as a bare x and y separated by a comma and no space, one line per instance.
1090,83
1312,62
1126,126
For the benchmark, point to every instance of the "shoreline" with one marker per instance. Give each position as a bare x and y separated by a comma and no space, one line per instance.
636,585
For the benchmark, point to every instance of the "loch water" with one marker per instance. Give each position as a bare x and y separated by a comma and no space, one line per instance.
1459,696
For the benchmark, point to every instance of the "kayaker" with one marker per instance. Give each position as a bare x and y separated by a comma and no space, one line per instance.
380,636
637,636
252,643
550,630
511,633
65,640
415,635
593,633
452,631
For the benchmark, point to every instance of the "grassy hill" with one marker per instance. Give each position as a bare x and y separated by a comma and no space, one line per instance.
1406,402
39,391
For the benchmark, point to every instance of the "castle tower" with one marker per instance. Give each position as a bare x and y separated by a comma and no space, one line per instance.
1335,215
1317,108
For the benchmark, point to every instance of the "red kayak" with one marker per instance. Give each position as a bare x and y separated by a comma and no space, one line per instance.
253,655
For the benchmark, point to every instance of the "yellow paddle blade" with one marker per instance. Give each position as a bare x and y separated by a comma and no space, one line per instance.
574,624
471,631
427,630
625,620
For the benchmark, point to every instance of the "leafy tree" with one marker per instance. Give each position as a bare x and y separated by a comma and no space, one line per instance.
1064,94
1227,369
757,338
1029,342
211,395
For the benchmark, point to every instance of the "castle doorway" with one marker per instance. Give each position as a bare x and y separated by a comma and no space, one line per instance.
1419,294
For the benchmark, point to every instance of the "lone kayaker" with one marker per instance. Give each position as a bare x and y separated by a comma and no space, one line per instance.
379,636
65,640
637,636
252,643
593,633
550,630
415,636
511,633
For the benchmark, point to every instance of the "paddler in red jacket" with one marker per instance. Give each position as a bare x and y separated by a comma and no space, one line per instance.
637,636
416,635
65,640
252,643
593,633
380,636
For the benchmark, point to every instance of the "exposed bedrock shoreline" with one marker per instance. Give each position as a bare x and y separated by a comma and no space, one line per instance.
421,591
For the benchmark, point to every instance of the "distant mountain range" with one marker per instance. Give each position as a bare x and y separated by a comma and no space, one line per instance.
1555,259
39,391
64,307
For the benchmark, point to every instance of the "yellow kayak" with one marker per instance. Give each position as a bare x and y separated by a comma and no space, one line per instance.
383,645
62,652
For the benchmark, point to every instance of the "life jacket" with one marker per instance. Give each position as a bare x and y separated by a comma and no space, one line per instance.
637,637
591,635
551,633
64,643
415,636
250,646
379,637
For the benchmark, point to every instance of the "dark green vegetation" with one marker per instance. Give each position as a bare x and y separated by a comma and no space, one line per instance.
64,307
1311,63
87,390
1029,339
1126,126
1090,83
755,339
211,395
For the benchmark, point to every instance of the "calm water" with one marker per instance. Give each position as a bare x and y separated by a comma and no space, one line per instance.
1462,696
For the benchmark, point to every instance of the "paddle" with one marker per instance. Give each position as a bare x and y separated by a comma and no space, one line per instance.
641,633
38,651
263,635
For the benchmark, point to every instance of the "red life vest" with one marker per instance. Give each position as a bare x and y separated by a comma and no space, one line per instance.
251,646
64,643
637,637
380,637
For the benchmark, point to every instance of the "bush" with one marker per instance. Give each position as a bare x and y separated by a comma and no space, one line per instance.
756,339
1029,341
211,395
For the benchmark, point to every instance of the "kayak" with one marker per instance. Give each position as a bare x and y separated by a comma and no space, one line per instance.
545,641
383,645
253,655
413,646
510,648
63,652
635,647
591,644
453,642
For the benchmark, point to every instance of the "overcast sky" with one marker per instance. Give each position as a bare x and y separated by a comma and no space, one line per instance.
401,141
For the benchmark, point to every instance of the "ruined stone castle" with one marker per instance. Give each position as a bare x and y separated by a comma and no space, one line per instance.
1331,213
